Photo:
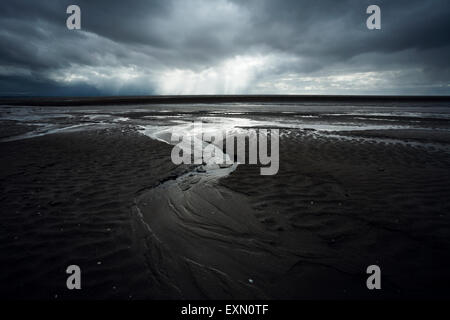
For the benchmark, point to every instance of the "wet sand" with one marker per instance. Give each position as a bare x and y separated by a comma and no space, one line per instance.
342,205
309,232
109,199
67,199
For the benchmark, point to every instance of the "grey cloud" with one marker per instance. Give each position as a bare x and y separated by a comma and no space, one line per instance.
145,41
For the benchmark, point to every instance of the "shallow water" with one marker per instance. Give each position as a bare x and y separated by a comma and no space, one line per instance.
231,116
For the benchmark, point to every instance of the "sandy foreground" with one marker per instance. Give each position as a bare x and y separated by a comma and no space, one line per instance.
111,201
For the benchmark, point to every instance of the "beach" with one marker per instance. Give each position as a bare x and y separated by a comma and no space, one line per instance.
96,187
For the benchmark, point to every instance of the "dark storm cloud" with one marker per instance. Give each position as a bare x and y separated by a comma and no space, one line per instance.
224,46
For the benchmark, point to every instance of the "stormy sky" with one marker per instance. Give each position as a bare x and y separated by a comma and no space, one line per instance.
140,47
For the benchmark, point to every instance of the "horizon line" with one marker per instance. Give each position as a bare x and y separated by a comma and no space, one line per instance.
209,98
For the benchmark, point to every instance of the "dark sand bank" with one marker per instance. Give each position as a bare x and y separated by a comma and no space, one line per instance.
407,135
13,128
67,199
334,208
124,100
111,201
340,206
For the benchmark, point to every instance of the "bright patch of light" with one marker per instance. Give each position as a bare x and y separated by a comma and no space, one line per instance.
92,75
233,76
111,78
